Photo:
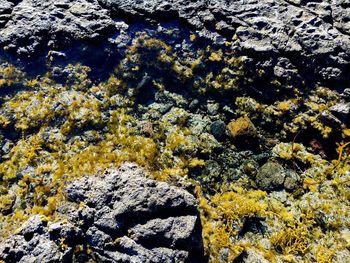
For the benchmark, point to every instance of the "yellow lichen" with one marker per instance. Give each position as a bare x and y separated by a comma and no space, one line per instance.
241,127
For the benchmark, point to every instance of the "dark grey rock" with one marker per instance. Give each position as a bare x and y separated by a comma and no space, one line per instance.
31,244
213,107
193,105
305,30
7,146
253,256
97,238
166,232
126,218
212,169
35,24
217,129
140,254
5,11
34,225
285,37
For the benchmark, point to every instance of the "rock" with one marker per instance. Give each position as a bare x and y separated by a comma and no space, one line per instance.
243,133
254,256
341,256
6,148
5,11
241,127
171,232
126,218
33,226
175,116
271,176
32,244
224,165
193,105
346,94
217,129
213,108
292,180
284,38
263,27
198,124
139,254
8,201
253,225
207,144
36,24
341,110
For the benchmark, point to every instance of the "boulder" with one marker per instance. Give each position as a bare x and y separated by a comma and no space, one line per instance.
125,217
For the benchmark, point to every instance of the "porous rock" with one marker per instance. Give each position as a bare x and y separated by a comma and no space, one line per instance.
310,38
36,24
126,217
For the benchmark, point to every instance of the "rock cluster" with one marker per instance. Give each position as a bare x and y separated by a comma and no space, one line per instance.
287,38
242,96
122,217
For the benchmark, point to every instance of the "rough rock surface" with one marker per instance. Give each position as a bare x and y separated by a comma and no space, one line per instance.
272,176
126,217
311,38
33,24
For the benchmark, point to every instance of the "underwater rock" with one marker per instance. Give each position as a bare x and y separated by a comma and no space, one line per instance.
253,256
126,217
213,107
342,256
224,165
193,105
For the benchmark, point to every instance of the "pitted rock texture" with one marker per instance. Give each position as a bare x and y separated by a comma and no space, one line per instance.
34,24
125,217
312,37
